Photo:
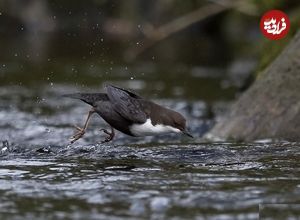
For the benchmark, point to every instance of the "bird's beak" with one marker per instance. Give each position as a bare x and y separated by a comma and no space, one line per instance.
187,133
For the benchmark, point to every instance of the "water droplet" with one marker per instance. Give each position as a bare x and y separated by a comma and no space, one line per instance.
51,84
101,39
54,17
139,26
3,65
0,13
131,78
16,54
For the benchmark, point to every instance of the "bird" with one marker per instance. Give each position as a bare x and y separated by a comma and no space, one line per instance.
129,113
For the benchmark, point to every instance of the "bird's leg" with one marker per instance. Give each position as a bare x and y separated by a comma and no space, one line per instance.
110,134
81,131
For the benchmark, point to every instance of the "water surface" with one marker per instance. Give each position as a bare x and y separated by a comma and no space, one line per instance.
142,181
43,176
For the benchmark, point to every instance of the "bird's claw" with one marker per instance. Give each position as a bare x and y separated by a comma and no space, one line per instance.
79,134
105,131
109,137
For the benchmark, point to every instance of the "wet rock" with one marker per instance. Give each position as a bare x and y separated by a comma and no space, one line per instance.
270,108
44,150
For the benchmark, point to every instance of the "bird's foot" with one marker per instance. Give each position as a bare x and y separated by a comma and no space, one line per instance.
79,134
109,137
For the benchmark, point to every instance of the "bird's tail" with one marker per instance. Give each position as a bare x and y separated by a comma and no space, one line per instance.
89,98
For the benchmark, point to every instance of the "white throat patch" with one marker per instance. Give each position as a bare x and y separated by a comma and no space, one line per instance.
147,129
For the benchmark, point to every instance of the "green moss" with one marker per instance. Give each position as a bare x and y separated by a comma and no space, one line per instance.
271,49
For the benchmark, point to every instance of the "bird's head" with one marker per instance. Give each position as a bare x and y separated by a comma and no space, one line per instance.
179,122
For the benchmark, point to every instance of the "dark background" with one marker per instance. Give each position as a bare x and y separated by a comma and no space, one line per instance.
86,43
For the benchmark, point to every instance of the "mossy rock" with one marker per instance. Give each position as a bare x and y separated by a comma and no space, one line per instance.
270,108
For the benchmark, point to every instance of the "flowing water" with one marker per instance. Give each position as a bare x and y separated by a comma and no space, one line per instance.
138,181
42,176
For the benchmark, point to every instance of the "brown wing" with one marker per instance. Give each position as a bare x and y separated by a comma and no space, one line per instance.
127,104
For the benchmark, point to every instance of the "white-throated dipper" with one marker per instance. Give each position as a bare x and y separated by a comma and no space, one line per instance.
129,113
